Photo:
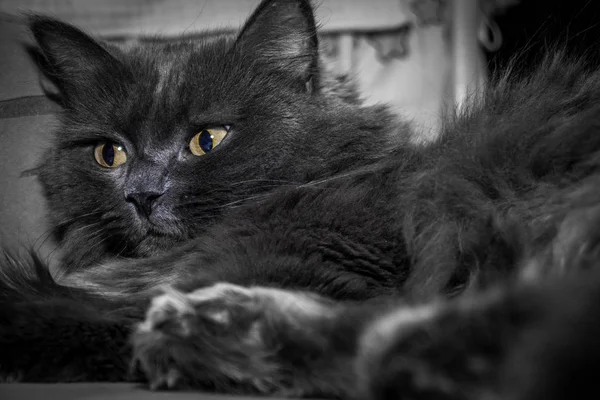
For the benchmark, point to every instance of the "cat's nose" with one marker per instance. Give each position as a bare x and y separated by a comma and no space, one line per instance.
143,201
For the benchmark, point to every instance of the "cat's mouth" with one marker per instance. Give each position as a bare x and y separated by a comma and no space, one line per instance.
163,231
160,230
160,222
155,238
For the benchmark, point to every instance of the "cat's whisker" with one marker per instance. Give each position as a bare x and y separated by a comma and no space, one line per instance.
88,238
80,228
252,186
76,218
274,181
336,177
46,235
198,199
234,202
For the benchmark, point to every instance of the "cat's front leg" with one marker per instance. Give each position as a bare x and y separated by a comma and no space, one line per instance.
251,340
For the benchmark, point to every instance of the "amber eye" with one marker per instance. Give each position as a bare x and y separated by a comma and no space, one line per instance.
207,139
110,155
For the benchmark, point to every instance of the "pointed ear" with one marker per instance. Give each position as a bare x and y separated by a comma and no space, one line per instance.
74,61
282,35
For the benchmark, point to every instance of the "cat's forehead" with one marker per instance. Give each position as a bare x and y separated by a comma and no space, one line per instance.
168,73
178,72
178,56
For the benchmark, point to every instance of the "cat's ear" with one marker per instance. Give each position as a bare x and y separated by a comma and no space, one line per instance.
77,63
282,35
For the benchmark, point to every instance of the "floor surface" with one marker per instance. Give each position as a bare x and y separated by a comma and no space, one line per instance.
99,391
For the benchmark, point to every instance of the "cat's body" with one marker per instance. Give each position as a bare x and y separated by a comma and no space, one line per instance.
312,192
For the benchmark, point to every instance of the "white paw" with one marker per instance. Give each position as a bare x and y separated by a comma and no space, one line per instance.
206,338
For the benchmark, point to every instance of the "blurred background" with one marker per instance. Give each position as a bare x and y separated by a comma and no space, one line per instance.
423,57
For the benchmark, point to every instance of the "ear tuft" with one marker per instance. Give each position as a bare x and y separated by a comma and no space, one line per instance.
74,60
283,35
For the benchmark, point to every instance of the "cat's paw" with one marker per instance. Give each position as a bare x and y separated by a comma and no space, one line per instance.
224,337
204,338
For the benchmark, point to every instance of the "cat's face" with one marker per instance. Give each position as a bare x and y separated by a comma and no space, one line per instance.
158,140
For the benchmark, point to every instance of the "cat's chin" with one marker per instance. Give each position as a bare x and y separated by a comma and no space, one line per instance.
153,244
161,229
156,236
161,223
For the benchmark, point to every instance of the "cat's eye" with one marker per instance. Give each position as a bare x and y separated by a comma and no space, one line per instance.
207,139
110,155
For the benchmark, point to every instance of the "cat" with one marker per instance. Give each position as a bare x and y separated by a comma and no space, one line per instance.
233,218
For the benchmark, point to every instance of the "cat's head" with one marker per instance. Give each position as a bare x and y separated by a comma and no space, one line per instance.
158,140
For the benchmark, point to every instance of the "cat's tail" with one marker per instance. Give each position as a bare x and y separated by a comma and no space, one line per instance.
55,333
25,275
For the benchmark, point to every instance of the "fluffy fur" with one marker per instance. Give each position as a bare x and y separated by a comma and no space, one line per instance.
355,263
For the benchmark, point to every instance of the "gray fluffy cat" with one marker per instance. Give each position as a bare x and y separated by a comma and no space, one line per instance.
233,219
